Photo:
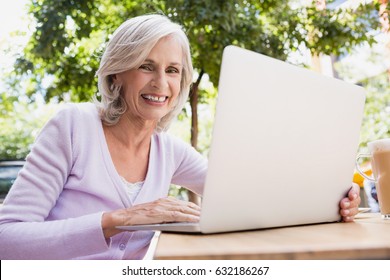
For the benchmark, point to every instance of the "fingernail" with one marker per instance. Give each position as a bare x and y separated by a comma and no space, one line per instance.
348,219
346,204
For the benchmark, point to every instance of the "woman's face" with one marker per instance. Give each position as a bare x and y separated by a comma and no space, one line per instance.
151,90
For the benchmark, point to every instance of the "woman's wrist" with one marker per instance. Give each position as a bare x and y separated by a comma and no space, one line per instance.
109,224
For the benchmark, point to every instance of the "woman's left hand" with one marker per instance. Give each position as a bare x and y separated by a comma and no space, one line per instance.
349,205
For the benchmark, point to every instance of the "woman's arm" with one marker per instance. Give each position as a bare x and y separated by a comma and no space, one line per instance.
25,232
191,168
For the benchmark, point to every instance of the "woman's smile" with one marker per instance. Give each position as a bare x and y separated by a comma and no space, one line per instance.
154,99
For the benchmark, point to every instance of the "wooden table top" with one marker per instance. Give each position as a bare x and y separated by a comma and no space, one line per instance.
366,238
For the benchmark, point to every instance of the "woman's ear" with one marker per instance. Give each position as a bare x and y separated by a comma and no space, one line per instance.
113,81
114,78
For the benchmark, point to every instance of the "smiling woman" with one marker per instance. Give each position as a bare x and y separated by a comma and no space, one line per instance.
123,53
96,166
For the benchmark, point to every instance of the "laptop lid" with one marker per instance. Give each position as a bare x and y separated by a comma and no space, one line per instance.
283,147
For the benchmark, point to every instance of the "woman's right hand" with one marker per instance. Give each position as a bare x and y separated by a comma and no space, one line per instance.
163,210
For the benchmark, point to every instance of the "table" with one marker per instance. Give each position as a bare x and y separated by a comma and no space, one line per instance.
366,238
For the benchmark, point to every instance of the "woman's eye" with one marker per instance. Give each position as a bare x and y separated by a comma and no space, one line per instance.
173,70
146,67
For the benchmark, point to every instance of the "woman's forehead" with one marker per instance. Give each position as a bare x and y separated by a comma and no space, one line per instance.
167,49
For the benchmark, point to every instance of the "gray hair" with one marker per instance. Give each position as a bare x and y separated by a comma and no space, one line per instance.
129,46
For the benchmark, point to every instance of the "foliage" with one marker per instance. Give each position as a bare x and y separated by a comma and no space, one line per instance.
19,128
206,116
371,74
70,35
376,122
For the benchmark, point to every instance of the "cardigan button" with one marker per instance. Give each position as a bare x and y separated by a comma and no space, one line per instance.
122,246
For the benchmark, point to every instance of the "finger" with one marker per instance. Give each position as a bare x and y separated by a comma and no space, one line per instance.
345,215
194,206
345,203
349,212
356,187
177,216
187,204
174,210
348,219
353,194
173,203
173,199
173,214
165,208
184,209
355,201
349,215
353,198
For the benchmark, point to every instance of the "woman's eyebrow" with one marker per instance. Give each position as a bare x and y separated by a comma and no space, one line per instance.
148,60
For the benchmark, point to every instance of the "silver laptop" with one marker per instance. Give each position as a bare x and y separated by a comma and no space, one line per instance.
283,147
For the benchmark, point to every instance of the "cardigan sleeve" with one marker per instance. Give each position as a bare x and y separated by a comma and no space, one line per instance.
191,168
25,232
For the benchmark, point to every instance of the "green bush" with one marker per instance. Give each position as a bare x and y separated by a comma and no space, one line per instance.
20,126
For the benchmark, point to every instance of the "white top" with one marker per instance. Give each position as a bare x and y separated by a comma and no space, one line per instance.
132,189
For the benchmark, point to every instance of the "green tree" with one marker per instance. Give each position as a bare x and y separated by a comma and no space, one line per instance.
20,126
70,37
376,122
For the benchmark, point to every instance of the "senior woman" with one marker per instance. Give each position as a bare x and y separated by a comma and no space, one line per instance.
99,165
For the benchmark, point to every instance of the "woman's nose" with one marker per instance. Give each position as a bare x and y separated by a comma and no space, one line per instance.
159,80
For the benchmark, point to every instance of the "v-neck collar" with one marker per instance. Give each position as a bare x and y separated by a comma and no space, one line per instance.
115,177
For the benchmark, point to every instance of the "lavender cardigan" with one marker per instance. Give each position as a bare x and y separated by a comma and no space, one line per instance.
54,208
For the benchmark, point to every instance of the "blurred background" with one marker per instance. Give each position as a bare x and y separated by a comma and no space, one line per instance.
50,50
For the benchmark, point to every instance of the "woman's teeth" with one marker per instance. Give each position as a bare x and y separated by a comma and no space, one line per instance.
154,98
